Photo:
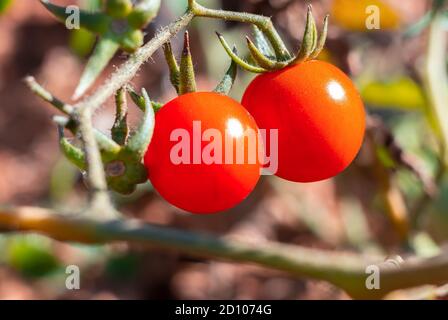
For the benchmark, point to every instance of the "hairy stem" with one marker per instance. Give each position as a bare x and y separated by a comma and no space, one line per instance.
96,179
263,23
129,69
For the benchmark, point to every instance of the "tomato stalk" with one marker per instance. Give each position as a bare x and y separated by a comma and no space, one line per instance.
263,23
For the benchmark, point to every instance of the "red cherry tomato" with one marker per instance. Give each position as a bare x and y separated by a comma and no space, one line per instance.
319,116
185,171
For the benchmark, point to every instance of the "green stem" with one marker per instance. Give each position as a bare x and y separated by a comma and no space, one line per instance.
47,96
103,53
263,23
129,69
100,203
104,142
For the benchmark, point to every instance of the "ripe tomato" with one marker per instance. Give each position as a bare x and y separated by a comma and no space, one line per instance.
183,168
319,116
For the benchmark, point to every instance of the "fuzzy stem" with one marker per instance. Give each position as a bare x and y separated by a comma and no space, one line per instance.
47,96
129,69
100,203
263,23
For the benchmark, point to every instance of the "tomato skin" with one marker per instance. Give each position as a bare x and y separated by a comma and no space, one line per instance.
201,188
319,115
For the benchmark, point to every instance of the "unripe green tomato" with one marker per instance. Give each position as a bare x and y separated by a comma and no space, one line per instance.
81,42
118,8
143,13
132,40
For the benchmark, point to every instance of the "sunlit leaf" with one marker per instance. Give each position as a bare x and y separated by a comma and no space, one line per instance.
401,93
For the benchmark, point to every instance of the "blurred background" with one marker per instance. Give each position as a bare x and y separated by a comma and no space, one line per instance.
393,199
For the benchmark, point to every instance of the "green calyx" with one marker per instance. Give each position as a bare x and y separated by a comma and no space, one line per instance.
122,155
119,26
264,56
187,81
182,76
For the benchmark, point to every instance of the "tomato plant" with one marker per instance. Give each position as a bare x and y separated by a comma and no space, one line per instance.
202,182
319,115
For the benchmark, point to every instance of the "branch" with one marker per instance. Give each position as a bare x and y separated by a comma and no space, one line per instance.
263,23
344,270
129,69
96,177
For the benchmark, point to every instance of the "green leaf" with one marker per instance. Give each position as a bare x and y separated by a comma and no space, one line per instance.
401,93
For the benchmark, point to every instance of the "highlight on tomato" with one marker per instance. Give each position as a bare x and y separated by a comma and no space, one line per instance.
204,153
319,115
189,160
316,108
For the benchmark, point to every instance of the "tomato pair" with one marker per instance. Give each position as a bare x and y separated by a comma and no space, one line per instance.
314,106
